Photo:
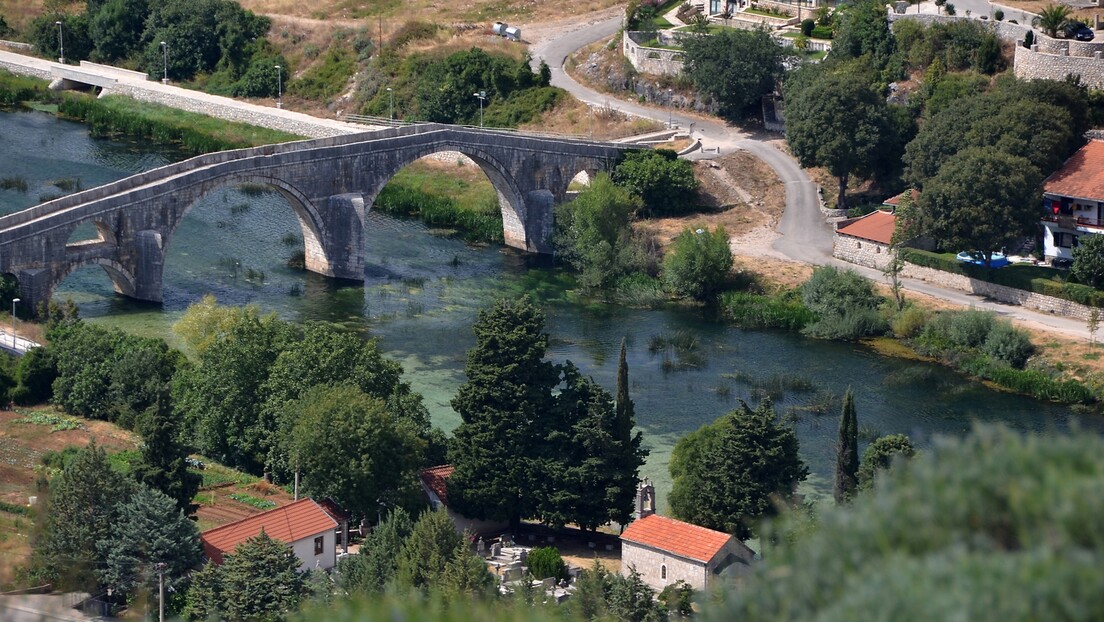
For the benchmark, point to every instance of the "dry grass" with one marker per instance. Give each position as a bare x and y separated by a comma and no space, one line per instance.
19,13
430,10
601,123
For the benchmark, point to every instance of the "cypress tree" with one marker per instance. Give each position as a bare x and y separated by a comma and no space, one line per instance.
164,463
847,450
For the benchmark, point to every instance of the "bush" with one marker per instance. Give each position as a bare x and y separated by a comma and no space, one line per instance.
966,329
523,106
699,263
413,31
1007,344
665,183
908,322
998,15
807,27
546,562
1029,39
831,291
748,310
1088,261
328,79
852,326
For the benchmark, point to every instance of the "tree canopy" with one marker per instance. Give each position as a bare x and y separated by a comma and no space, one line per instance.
698,263
664,183
259,581
594,234
734,67
727,472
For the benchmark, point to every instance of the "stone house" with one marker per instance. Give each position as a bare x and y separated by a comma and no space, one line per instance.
435,486
303,525
865,241
664,550
1073,202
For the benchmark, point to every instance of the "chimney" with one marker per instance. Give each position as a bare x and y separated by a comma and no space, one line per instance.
645,499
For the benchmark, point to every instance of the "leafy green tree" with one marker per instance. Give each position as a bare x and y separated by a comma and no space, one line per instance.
982,201
1053,18
881,453
43,34
663,182
1088,261
736,68
82,510
508,388
546,562
1001,513
835,292
863,31
116,28
836,120
150,530
632,600
5,30
35,375
374,568
351,449
202,35
163,465
847,450
221,396
259,581
589,462
727,473
594,234
443,91
698,263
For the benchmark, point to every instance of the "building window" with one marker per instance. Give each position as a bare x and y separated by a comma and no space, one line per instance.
663,572
318,545
1065,240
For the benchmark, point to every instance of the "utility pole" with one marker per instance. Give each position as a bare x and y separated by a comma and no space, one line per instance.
161,592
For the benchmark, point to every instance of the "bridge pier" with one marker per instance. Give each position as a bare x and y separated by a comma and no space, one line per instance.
36,285
338,251
148,265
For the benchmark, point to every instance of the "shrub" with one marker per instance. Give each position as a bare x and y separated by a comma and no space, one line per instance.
413,31
998,15
807,27
665,183
851,326
546,562
967,329
699,263
328,79
831,291
908,322
880,454
1029,39
1088,261
748,310
1007,344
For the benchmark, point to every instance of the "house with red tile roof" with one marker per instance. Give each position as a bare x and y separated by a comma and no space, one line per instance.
435,486
304,525
664,550
865,241
1073,202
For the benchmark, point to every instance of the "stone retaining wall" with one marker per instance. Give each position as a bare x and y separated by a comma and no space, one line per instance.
1011,295
657,61
861,252
21,70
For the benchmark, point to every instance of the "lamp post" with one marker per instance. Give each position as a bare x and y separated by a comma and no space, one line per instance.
391,104
14,300
61,43
165,62
279,87
482,95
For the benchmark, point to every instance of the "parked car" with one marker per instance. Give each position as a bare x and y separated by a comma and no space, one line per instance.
1079,31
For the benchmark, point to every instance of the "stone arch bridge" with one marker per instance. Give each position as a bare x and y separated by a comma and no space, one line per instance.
330,184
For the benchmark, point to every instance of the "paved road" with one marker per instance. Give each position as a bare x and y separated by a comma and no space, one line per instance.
806,237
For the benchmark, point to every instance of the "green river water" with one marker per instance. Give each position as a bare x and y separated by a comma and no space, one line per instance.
423,291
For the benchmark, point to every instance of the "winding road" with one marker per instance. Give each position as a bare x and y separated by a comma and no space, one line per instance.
805,235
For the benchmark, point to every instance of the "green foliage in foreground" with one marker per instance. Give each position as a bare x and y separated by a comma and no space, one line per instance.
195,133
259,581
993,527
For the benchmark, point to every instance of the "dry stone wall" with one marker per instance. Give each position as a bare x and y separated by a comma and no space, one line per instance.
861,252
1011,295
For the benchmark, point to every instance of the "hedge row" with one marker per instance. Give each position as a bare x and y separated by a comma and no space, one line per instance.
1014,276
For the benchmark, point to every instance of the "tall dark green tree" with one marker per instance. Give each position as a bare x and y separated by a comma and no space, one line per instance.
734,67
847,450
259,581
508,390
594,234
82,510
164,462
728,473
374,567
665,183
435,553
150,530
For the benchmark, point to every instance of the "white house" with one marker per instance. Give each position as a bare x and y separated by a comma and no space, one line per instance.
1073,200
664,550
435,486
303,525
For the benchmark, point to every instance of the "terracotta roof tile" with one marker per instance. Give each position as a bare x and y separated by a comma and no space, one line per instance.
1082,176
896,200
288,524
674,536
434,479
876,226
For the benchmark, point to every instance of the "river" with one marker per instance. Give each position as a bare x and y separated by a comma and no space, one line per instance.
423,291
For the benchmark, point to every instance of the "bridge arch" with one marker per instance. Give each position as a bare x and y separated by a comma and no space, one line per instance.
511,198
121,278
311,223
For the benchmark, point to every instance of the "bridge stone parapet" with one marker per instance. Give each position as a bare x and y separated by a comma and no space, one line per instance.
330,184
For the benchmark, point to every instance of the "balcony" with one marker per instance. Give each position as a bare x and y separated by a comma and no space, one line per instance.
1090,225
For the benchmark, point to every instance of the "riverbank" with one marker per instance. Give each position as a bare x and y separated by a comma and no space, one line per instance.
116,115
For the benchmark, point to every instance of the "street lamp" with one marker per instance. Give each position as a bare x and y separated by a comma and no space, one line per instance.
279,87
14,300
391,106
61,43
482,95
165,56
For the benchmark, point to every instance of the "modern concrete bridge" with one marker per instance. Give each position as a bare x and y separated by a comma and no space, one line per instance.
329,182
